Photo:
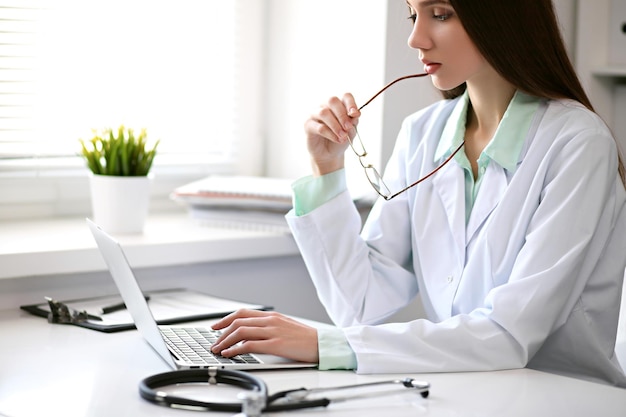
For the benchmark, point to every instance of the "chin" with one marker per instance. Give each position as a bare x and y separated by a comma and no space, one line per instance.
444,85
439,85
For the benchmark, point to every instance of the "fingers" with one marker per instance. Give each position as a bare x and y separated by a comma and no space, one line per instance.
228,320
335,120
251,331
242,325
328,133
256,336
234,321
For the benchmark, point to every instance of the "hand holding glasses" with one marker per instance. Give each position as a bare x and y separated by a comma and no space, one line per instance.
372,174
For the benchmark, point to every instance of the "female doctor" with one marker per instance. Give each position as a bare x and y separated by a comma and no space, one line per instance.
516,246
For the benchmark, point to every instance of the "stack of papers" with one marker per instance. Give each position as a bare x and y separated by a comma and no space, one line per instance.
237,191
242,202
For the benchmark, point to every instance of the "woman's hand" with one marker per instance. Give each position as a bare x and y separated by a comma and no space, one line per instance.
328,133
266,332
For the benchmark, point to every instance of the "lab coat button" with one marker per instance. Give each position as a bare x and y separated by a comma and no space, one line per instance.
450,279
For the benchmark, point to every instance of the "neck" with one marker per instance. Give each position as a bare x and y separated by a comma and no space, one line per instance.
489,101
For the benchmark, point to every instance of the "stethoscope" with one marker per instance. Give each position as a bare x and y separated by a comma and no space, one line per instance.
255,399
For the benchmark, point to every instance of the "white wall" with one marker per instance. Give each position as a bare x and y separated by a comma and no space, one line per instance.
566,11
318,49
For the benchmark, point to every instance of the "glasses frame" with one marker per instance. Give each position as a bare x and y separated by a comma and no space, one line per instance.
377,182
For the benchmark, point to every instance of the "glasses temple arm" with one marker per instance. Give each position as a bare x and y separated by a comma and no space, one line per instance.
429,175
389,85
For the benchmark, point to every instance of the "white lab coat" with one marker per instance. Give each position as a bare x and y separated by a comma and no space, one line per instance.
534,278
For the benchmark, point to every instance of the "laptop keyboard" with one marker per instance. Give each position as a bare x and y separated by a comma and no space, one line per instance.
194,346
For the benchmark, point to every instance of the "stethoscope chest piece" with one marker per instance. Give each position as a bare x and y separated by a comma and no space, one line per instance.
252,404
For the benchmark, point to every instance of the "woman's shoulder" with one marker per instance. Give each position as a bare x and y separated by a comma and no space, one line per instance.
574,116
568,124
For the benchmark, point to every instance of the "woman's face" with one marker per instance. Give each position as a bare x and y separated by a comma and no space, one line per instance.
448,54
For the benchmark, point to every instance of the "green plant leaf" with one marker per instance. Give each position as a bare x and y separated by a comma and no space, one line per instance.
124,154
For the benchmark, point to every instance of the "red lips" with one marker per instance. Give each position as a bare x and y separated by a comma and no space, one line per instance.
431,67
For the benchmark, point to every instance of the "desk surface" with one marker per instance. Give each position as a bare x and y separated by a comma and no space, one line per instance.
60,370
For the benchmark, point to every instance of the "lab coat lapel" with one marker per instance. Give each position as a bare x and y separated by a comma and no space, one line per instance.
491,190
449,183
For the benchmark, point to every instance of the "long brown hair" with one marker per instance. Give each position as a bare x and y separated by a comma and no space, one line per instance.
522,41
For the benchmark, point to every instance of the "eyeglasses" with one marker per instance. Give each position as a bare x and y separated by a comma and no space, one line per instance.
372,174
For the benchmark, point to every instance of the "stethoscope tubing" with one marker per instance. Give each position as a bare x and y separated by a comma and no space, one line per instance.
148,387
295,399
148,390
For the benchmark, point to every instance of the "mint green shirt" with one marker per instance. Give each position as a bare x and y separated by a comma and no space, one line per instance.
503,149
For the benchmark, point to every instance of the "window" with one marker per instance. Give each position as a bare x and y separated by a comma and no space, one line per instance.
173,67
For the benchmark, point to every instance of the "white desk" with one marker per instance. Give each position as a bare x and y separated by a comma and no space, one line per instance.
59,370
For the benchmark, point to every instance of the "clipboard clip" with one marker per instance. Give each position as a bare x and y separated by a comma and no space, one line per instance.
60,313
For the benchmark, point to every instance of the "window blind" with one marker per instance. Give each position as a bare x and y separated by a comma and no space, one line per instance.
70,66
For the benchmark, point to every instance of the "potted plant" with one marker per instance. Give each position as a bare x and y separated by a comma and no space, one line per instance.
120,163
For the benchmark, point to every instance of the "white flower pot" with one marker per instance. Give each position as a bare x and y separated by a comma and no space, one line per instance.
120,204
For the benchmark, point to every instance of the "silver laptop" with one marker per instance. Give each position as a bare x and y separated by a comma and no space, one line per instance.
182,347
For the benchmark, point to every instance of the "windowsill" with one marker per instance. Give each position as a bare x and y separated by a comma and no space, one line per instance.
65,245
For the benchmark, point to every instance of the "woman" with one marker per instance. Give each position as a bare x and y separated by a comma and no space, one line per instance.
516,246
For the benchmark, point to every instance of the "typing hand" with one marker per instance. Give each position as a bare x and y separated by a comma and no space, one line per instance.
253,331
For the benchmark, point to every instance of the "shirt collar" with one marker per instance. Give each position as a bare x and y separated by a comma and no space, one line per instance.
506,145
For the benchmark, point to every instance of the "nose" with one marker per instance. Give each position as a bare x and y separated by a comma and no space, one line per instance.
420,37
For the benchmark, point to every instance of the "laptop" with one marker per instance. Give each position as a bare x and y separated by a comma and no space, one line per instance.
181,347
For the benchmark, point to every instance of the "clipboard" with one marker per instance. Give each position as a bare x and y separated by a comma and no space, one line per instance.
168,306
